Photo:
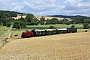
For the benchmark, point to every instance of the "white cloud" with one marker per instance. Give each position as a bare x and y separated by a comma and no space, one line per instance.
39,5
10,5
77,7
46,7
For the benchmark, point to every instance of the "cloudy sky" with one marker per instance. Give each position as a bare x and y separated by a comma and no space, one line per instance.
48,7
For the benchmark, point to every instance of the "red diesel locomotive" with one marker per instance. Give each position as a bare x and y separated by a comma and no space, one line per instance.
27,34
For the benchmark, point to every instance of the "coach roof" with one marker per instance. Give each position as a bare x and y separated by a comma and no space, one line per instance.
62,29
39,30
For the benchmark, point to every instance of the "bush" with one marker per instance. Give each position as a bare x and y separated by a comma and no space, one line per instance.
86,26
67,23
8,24
51,27
19,25
85,30
73,26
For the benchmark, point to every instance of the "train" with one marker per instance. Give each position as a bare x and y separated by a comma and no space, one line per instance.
44,32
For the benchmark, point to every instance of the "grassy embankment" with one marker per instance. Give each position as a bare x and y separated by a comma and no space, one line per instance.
2,30
79,26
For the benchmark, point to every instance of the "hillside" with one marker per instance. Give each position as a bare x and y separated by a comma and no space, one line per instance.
66,16
76,19
71,19
11,13
74,46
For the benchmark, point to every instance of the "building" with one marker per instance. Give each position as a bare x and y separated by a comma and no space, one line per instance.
19,16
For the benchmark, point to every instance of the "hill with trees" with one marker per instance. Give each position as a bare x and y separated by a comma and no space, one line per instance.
11,13
76,19
6,19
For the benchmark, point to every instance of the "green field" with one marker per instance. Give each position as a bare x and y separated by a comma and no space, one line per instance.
3,29
79,26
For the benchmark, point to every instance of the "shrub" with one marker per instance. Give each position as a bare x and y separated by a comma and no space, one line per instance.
73,26
85,30
86,26
52,27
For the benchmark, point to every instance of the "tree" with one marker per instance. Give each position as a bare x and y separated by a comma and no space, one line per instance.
78,19
35,21
86,26
42,19
86,20
8,24
61,22
29,18
52,27
22,25
4,18
19,25
47,21
65,21
16,25
53,21
73,26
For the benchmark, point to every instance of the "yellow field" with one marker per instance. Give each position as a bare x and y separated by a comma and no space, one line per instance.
73,46
47,17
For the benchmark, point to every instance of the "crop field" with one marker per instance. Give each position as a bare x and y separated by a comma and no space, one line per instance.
47,17
73,46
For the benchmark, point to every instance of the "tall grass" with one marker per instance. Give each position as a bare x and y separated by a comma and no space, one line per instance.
3,29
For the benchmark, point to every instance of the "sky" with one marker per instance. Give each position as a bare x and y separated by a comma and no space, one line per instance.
48,7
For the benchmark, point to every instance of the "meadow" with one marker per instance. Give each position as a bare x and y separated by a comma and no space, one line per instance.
79,26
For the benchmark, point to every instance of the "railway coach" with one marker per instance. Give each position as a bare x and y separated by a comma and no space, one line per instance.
50,31
39,32
71,30
61,30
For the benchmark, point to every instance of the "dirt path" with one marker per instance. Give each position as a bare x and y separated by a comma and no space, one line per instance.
57,47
